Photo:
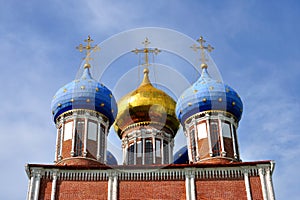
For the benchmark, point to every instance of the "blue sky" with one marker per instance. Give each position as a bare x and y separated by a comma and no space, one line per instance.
257,52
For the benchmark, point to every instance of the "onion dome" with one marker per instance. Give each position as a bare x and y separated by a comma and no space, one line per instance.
208,94
111,159
84,93
181,156
146,105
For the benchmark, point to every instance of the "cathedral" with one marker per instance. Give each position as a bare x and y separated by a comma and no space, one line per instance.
147,120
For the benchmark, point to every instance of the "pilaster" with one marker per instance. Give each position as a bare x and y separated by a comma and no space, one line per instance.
247,184
53,189
261,172
37,184
270,184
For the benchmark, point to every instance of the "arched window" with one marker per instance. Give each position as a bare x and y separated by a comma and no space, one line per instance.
227,139
139,152
92,139
148,151
158,152
131,154
215,138
68,130
79,136
166,152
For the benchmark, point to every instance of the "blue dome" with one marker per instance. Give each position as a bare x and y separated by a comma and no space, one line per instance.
208,94
181,156
85,93
111,160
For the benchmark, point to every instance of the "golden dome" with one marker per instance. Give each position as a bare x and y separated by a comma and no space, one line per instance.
146,105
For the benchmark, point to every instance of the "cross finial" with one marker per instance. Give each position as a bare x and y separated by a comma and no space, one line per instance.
88,48
146,51
202,49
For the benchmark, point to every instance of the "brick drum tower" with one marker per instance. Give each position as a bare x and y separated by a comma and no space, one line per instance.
147,120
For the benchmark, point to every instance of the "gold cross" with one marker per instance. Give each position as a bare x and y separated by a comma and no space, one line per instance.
88,49
146,51
202,49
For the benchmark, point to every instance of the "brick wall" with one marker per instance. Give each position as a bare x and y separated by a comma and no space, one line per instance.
147,190
91,190
255,185
45,189
233,189
228,144
66,149
79,161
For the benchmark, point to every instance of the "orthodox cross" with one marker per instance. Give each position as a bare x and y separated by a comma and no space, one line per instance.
88,48
146,51
202,49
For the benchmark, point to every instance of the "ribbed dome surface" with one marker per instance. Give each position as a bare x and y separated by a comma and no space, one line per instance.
208,94
146,104
84,93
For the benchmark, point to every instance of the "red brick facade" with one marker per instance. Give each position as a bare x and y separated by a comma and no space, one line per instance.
92,190
203,181
173,189
233,189
255,186
67,148
45,189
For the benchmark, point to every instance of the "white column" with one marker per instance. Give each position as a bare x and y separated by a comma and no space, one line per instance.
263,182
37,185
31,187
162,151
115,187
62,134
153,149
235,154
85,136
109,192
236,139
187,186
98,141
208,135
196,139
192,187
105,146
270,184
143,150
57,141
53,189
134,150
188,139
73,136
247,185
223,152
